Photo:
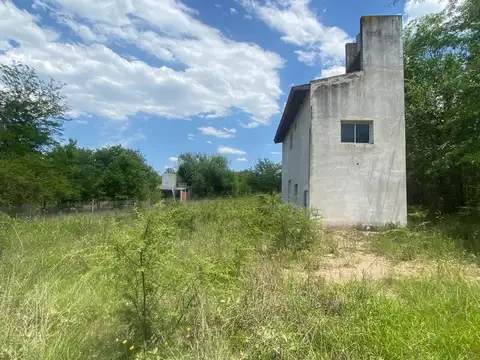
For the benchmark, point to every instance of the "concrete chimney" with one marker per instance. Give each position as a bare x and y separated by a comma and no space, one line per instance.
350,54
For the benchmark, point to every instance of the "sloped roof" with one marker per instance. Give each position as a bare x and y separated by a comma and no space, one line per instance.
295,99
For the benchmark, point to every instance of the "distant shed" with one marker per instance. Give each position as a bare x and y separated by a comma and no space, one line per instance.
172,185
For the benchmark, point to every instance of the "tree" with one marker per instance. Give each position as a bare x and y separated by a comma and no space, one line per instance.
209,175
32,112
266,176
109,173
31,179
442,83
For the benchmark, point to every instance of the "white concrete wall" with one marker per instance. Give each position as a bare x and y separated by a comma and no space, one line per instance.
295,162
362,184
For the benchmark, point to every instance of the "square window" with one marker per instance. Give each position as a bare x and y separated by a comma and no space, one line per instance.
357,132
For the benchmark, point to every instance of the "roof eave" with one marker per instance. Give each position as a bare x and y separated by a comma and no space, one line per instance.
284,122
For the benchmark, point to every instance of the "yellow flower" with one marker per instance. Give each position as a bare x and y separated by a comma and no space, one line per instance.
132,347
124,342
188,329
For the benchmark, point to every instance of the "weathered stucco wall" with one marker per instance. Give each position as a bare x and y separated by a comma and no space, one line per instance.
295,161
362,184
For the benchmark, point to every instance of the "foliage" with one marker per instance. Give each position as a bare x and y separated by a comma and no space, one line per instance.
218,285
31,179
112,173
266,176
209,175
442,72
31,111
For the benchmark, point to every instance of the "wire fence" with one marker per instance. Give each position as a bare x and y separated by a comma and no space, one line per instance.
58,209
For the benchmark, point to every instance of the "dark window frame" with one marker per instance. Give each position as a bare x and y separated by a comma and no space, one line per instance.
346,138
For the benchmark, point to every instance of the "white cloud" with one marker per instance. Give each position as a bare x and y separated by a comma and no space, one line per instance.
173,159
231,151
81,122
191,137
208,142
307,57
332,71
220,133
233,11
242,159
416,9
300,26
125,141
276,153
212,74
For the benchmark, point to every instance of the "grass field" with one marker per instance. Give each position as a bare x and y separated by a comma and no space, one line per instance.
233,279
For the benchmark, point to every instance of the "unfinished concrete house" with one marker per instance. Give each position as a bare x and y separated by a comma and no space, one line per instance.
343,137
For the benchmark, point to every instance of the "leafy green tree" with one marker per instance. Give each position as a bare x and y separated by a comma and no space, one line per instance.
209,175
442,85
32,112
112,173
266,176
78,165
31,179
243,182
125,174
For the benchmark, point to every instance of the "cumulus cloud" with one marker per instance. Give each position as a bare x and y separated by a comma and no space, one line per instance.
206,74
242,159
301,26
416,9
220,133
233,11
231,151
173,159
307,57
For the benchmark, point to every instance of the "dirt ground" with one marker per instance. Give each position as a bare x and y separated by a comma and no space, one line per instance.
355,260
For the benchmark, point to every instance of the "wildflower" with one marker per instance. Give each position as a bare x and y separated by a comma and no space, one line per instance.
132,347
188,329
124,342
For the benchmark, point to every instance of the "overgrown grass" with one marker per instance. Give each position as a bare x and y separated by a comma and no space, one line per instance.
454,236
209,280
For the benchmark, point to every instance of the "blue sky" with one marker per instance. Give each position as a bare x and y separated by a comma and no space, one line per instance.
169,76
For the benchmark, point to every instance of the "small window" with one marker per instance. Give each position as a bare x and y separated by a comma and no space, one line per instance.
291,140
295,190
305,198
357,132
289,188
